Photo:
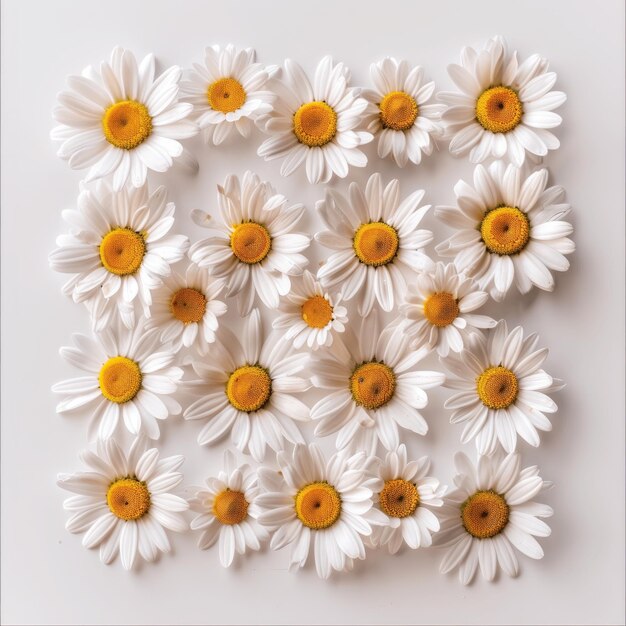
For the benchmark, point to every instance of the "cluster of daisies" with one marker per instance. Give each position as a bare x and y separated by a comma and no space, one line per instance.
161,345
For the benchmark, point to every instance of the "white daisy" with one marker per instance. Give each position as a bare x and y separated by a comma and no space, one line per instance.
491,512
120,121
501,389
254,247
228,511
375,237
316,124
508,229
399,112
248,389
504,108
125,501
130,376
438,309
118,250
310,315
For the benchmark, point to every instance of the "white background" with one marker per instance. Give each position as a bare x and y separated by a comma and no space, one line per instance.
47,577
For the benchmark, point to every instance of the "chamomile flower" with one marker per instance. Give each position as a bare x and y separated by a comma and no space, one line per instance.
124,501
248,390
309,315
119,121
316,124
130,376
375,239
399,111
491,512
254,247
504,108
509,229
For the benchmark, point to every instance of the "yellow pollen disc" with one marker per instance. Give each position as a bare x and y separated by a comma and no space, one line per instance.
376,243
317,312
497,387
318,505
128,498
372,384
315,124
249,388
441,309
120,379
499,109
230,507
188,305
122,251
226,95
398,110
126,124
485,514
505,230
250,242
399,498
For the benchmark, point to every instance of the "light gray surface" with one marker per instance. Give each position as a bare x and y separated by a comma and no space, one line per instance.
47,577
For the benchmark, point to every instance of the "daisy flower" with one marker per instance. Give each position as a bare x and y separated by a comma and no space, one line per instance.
438,309
316,124
491,512
228,511
125,501
118,250
504,108
509,228
501,389
310,315
254,247
319,502
370,387
375,237
399,112
129,376
120,121
248,389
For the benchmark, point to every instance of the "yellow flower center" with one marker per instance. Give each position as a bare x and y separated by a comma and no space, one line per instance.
372,384
441,309
318,505
315,124
249,388
188,305
230,507
128,498
399,498
317,312
122,251
505,230
250,242
497,387
120,379
226,95
126,124
376,243
398,110
499,109
485,514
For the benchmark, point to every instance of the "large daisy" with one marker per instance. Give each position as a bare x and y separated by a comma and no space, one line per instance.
376,240
316,124
254,247
509,229
504,108
119,120
124,501
491,512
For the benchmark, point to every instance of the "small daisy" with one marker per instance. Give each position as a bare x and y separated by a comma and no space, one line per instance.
316,124
508,229
491,512
438,309
254,247
130,376
504,108
227,510
375,237
501,389
125,501
399,111
118,250
248,389
120,121
310,315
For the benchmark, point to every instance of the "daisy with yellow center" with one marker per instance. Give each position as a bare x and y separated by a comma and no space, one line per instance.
491,512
